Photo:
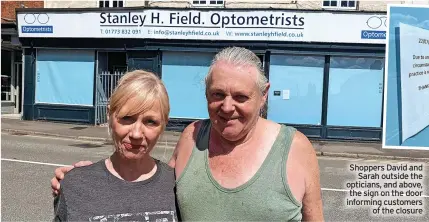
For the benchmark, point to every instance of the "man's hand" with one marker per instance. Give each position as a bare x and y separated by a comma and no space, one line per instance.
59,175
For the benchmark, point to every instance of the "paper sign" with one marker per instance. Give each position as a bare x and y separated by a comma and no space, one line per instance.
414,51
286,94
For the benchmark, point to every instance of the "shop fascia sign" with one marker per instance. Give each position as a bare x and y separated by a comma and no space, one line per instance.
258,25
193,19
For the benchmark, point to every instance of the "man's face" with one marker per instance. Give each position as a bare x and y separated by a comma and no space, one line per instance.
234,100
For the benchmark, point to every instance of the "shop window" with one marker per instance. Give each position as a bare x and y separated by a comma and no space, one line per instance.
339,4
65,77
111,3
183,74
355,92
295,94
6,75
208,3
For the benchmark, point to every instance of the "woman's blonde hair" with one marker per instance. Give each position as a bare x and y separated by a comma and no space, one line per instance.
142,89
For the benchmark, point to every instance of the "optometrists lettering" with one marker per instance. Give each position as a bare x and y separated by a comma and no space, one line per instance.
194,18
194,23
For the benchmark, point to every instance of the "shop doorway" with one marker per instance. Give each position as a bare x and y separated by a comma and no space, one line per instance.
11,80
17,90
144,60
111,66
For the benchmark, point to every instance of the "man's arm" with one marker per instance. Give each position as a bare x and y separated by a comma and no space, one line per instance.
184,147
312,205
312,200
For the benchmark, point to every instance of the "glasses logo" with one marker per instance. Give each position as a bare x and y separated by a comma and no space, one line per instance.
36,19
376,22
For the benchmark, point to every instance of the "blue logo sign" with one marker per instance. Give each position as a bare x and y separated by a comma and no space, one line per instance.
37,29
36,24
369,34
375,22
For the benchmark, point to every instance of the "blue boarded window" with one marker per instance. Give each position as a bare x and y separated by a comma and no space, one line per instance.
355,92
183,74
295,94
65,77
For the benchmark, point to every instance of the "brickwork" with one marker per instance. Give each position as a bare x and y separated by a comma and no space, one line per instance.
134,3
8,14
71,4
376,5
288,4
178,4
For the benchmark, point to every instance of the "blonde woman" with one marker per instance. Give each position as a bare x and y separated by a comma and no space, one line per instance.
129,185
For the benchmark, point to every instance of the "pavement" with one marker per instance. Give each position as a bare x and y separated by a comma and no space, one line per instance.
362,150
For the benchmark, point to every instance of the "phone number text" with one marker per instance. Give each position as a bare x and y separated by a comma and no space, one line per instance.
120,31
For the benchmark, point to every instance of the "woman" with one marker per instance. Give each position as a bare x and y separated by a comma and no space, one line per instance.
129,185
238,166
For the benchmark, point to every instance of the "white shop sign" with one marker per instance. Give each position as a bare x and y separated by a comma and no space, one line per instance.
295,26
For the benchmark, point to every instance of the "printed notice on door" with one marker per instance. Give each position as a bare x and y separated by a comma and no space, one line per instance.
414,63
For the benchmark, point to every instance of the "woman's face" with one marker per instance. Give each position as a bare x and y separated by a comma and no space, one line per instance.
135,136
234,100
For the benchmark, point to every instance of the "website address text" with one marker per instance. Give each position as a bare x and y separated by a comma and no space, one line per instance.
266,34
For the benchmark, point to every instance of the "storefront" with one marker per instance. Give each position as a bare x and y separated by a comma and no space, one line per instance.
11,70
326,68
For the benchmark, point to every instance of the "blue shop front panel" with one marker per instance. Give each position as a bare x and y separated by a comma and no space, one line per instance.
327,96
183,74
65,77
355,91
295,94
60,86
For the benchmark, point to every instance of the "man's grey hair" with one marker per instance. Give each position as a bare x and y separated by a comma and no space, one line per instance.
239,56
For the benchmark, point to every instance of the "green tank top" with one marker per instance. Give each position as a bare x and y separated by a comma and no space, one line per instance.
265,197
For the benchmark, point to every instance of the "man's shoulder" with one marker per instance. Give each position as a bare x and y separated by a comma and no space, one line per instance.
273,128
302,152
195,126
301,143
191,131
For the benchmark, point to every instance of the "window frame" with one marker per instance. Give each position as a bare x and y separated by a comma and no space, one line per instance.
207,4
111,3
339,7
